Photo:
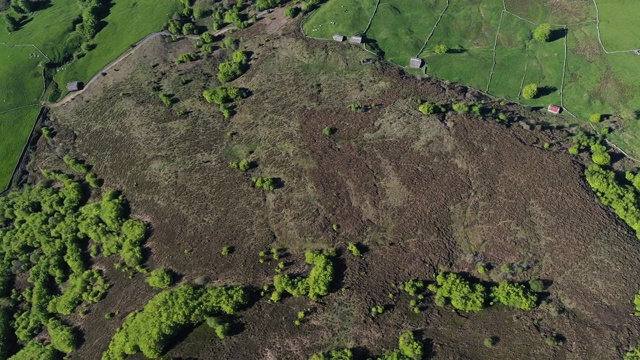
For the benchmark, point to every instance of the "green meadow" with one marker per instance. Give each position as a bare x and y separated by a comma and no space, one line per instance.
594,81
15,127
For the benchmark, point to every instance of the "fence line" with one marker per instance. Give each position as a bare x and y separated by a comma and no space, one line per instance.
433,30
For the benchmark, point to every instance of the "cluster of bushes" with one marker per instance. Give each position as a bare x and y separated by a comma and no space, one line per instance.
622,198
453,288
315,285
44,232
76,165
430,108
266,183
231,70
160,278
243,164
92,11
224,94
409,348
170,313
186,57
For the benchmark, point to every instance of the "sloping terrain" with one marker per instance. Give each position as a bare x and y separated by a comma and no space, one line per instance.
422,193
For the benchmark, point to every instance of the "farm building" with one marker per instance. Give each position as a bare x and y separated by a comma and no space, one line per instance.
74,86
415,63
356,39
338,37
554,109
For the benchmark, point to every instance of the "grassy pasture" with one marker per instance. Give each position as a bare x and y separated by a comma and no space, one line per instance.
618,19
20,76
348,17
127,23
595,82
400,27
14,130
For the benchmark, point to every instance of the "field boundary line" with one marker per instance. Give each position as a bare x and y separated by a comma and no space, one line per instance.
598,31
495,47
433,30
524,76
564,69
26,45
375,10
18,108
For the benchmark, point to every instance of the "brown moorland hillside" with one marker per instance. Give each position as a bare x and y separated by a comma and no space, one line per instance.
421,193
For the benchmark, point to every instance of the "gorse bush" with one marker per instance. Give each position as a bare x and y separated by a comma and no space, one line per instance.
413,287
459,292
160,278
186,57
514,295
314,286
266,183
168,314
224,94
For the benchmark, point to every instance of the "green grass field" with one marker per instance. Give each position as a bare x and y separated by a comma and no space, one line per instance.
127,23
15,127
594,81
350,21
21,81
50,34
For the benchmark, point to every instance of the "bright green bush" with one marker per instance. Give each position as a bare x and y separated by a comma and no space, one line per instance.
595,118
530,91
35,350
413,287
514,295
76,165
314,286
223,94
353,248
427,108
160,278
458,292
168,314
441,49
63,337
187,57
228,71
461,108
542,33
266,183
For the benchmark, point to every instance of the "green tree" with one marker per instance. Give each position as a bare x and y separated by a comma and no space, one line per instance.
160,278
427,108
542,33
530,91
595,118
514,295
291,12
441,49
63,337
461,108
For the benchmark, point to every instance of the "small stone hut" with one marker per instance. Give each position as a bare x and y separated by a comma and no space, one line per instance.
356,39
74,86
338,37
415,63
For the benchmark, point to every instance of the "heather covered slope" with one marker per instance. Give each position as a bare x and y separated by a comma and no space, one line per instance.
422,193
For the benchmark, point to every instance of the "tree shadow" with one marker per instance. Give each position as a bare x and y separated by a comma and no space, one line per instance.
456,51
558,34
546,90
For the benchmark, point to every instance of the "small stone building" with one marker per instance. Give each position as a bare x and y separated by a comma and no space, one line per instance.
338,37
554,109
74,86
415,63
356,39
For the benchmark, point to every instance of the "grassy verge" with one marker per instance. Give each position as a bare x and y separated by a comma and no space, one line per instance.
18,125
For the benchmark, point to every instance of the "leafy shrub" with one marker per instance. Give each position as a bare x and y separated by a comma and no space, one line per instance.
314,286
337,354
490,341
542,33
413,287
243,165
187,57
514,295
328,131
441,49
46,133
428,108
228,71
536,285
595,118
291,12
266,183
554,340
35,350
353,248
160,278
268,4
63,338
461,108
93,180
222,94
168,314
530,91
76,165
459,292
166,99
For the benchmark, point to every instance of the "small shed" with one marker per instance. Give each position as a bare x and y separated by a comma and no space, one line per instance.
415,63
338,37
74,86
554,109
356,39
637,52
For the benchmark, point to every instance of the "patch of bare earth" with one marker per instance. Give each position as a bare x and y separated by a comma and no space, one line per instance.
422,193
